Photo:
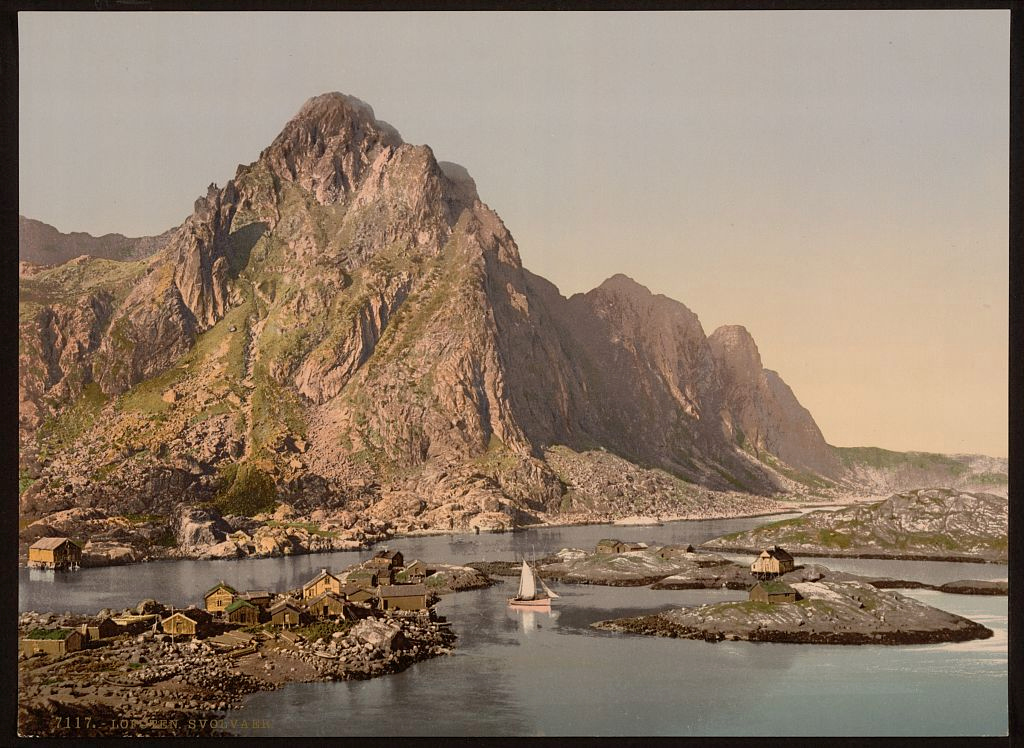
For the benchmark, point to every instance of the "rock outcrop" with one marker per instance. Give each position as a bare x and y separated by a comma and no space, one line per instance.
939,524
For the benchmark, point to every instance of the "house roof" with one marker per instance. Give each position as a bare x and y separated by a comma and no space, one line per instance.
401,590
779,553
180,614
322,575
361,574
49,544
257,593
238,604
220,585
49,633
608,541
282,604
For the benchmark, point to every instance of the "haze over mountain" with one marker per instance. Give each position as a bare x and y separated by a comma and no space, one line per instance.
345,326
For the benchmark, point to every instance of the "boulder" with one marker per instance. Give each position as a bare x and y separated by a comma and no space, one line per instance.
375,633
196,529
227,549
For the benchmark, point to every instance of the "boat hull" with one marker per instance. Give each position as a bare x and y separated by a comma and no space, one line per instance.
543,603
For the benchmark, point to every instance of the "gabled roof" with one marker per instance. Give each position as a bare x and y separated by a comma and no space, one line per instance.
257,593
352,588
286,603
50,544
220,585
387,554
322,575
239,604
401,590
181,614
777,552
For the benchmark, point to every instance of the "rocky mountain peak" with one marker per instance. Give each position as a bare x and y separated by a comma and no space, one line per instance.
329,144
734,346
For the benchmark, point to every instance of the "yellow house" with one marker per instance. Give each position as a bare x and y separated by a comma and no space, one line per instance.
218,598
52,641
187,623
772,562
321,583
403,597
55,553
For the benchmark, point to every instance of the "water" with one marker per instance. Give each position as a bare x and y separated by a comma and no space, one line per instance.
182,583
535,674
531,673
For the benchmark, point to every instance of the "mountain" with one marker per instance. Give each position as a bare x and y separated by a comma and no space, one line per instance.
42,244
925,523
346,327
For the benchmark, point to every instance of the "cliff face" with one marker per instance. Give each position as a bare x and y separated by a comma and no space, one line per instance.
345,325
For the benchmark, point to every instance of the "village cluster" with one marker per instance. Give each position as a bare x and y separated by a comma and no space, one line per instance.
770,564
383,583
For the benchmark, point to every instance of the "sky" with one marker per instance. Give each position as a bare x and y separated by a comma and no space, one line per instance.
834,181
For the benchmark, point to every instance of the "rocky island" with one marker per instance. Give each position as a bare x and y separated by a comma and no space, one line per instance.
939,524
823,612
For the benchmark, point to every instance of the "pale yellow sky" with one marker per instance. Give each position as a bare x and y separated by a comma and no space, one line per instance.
834,181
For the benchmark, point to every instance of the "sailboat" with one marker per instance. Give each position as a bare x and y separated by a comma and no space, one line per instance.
528,596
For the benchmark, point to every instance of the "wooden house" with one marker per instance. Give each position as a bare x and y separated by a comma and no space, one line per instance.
414,571
386,560
321,583
52,641
259,598
363,577
609,545
105,628
54,553
219,597
328,605
772,562
355,592
287,613
191,622
243,611
773,591
402,597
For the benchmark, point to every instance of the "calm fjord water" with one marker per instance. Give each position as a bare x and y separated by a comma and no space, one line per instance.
530,673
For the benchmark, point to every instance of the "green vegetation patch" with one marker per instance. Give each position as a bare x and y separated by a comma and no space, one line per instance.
244,489
48,634
323,629
883,458
60,430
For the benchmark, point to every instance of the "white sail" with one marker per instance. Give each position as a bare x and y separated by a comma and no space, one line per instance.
547,589
527,587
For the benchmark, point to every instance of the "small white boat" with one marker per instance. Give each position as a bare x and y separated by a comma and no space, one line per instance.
528,596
